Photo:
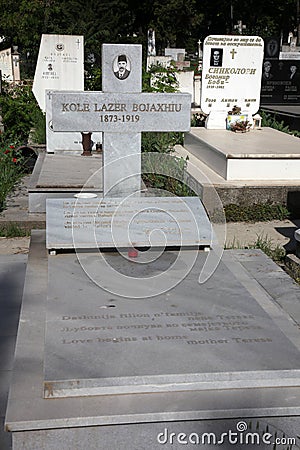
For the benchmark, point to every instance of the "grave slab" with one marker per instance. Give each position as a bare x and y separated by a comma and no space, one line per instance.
226,334
125,223
62,176
217,403
259,155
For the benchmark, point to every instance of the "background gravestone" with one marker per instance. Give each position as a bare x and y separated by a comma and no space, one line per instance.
280,82
60,66
231,76
6,65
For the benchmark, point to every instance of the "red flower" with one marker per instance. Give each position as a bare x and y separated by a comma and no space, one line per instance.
14,160
6,152
11,146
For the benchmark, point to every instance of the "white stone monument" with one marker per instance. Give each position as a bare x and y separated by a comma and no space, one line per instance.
232,67
6,65
175,53
59,67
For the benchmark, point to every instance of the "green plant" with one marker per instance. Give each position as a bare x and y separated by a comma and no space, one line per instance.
264,243
18,107
12,230
269,120
166,173
198,120
258,212
12,167
160,79
39,130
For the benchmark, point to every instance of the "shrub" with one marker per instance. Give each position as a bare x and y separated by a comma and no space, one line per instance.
12,165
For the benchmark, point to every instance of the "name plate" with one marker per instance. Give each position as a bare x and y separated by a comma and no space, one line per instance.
126,222
120,112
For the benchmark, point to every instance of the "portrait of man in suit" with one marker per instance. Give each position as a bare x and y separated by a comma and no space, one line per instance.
216,57
121,67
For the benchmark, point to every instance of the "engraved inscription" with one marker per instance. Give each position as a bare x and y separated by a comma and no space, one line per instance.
191,328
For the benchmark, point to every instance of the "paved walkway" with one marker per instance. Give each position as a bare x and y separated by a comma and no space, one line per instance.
12,275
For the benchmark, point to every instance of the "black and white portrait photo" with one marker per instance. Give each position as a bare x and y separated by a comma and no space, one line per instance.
121,67
216,57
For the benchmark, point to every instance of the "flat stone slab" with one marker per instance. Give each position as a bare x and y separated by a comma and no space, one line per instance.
259,155
297,235
264,143
224,334
67,422
72,172
127,222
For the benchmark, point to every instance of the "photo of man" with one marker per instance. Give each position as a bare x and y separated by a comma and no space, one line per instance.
216,57
267,71
121,67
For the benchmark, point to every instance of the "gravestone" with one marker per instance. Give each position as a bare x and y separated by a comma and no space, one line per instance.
122,112
60,66
231,76
6,65
280,82
177,54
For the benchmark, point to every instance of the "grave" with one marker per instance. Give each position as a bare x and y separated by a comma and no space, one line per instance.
122,349
6,66
233,77
59,66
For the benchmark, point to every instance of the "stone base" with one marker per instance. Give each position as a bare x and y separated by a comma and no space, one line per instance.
259,155
146,418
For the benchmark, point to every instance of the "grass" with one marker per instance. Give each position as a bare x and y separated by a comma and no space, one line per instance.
12,230
264,243
259,212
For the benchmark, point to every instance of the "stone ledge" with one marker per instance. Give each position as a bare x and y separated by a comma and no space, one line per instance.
293,263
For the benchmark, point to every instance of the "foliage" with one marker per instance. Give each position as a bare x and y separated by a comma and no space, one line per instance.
160,79
12,167
264,243
19,111
39,123
93,79
198,120
259,212
160,171
269,120
166,175
177,23
12,230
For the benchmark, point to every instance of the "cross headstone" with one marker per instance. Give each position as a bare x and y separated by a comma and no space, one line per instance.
240,27
122,112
